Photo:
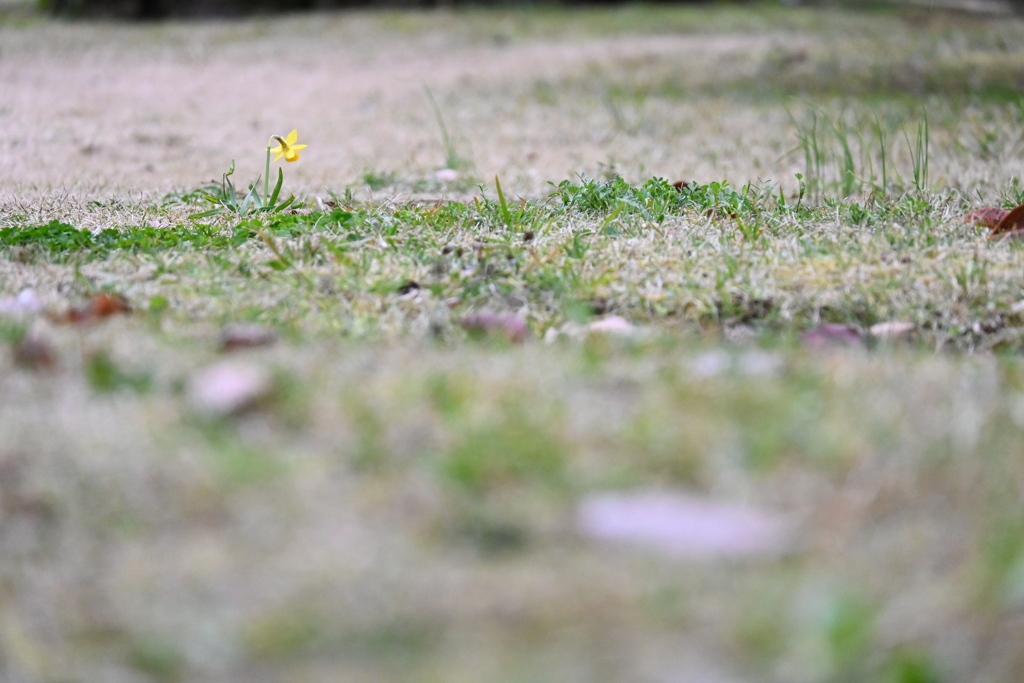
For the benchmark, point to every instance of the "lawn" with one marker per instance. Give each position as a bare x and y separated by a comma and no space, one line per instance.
644,344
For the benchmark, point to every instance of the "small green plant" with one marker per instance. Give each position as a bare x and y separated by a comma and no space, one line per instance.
655,199
225,199
1014,195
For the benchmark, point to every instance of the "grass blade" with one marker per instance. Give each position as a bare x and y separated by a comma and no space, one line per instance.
207,214
506,215
285,204
251,199
452,159
277,189
882,152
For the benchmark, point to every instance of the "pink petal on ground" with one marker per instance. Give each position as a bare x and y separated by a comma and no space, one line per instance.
25,302
682,525
447,175
226,388
831,335
611,325
504,325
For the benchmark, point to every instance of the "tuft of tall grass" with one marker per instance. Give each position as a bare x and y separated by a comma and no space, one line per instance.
850,153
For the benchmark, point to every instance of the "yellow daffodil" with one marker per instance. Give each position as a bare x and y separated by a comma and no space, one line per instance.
287,148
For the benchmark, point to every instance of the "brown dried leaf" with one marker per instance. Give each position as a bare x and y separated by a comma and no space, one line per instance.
989,216
1012,224
832,335
99,306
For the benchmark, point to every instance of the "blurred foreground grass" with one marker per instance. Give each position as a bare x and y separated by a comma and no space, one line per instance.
408,513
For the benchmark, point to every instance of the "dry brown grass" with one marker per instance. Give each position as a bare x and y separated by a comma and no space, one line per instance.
101,109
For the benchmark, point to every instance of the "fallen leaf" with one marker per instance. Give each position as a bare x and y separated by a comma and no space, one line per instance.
503,325
988,217
682,525
99,306
831,335
245,336
1011,225
229,388
34,354
893,329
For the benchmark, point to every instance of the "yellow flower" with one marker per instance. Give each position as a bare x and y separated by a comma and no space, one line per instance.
287,147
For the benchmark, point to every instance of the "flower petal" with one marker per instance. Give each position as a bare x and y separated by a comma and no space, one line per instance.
299,146
683,525
292,137
291,156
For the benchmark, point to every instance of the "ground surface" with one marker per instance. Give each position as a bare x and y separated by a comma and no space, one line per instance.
585,427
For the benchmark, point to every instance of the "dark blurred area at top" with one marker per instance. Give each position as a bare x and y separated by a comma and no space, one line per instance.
163,9
160,9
